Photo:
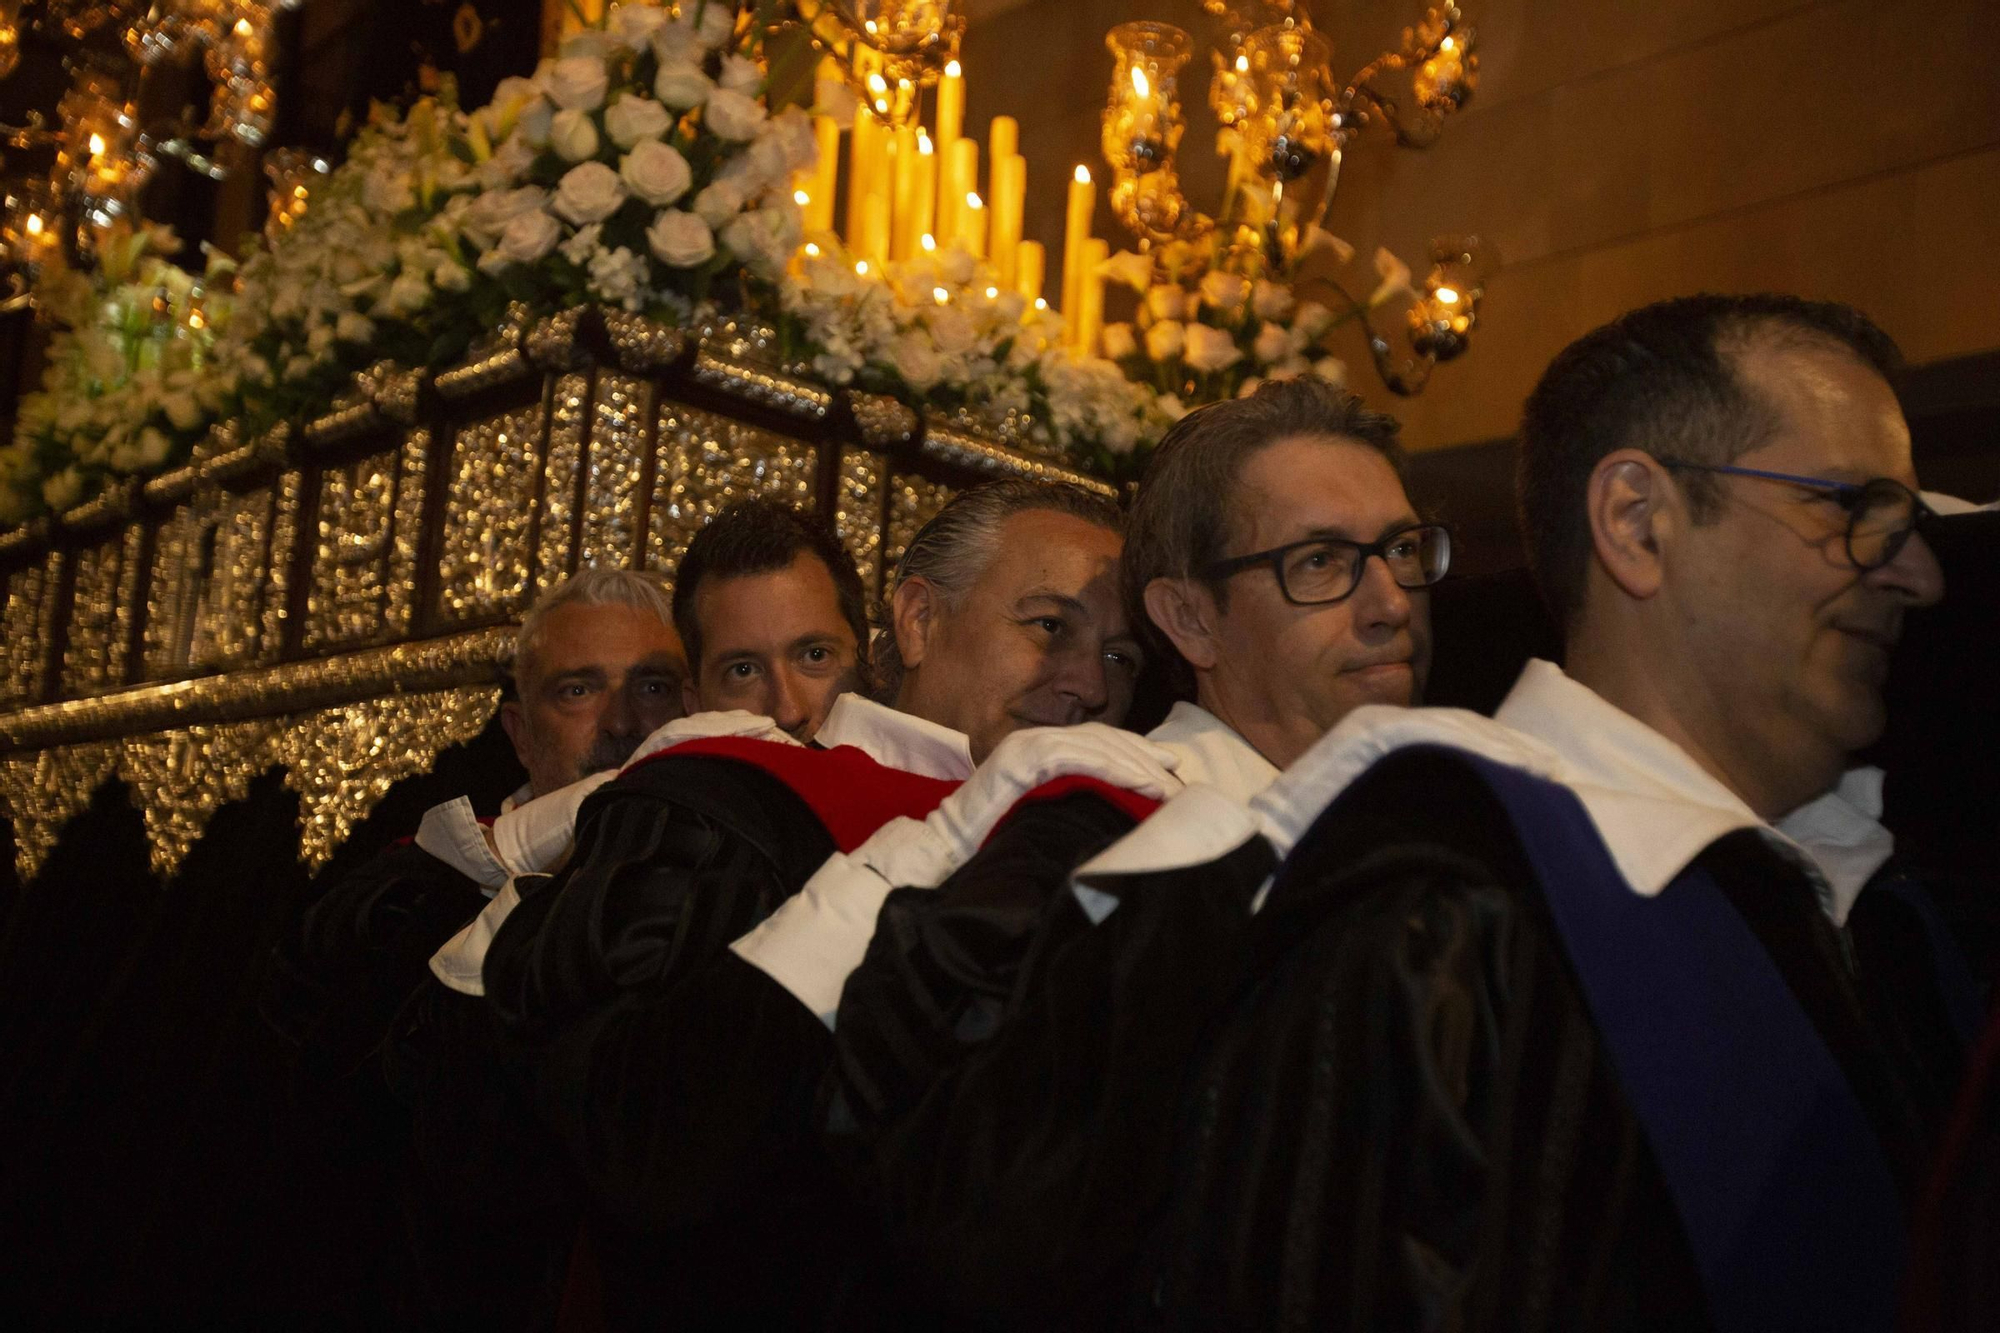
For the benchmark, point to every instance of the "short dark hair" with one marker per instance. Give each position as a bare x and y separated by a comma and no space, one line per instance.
1181,521
1663,379
761,537
954,548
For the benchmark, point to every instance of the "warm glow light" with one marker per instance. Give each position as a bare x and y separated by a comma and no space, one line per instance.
870,25
801,198
1447,44
972,200
812,251
1243,64
1041,303
924,143
992,293
1139,84
877,84
881,106
35,224
243,28
298,192
1447,296
861,268
952,70
195,320
940,295
97,145
928,241
1082,175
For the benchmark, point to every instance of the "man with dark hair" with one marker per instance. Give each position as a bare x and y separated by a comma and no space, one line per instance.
678,1075
1605,1046
1275,559
770,606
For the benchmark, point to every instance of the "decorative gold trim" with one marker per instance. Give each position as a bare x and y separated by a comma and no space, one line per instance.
428,664
961,450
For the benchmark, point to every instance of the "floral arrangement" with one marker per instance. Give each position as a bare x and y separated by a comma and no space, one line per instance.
650,167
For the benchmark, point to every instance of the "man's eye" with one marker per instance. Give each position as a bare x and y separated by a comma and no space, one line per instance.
1125,662
1403,549
1049,624
740,670
574,691
818,656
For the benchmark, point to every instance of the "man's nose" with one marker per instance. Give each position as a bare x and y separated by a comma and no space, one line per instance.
1083,682
1380,602
791,706
618,717
1914,574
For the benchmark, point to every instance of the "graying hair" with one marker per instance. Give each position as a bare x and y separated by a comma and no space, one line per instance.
596,586
958,544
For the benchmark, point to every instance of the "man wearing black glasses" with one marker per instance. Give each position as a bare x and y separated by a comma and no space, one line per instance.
1281,571
1572,1019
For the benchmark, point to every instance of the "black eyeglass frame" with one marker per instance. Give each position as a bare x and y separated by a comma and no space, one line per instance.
1851,494
1275,560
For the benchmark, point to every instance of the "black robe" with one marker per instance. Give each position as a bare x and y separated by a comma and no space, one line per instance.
1405,1118
1007,1070
679,1081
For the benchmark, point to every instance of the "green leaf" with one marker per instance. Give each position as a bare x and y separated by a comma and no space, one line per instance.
791,58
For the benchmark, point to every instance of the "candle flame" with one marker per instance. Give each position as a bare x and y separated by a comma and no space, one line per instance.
801,198
928,241
972,200
992,293
1447,296
1139,83
861,268
1041,303
812,250
97,145
940,295
877,84
924,143
1243,64
35,224
952,69
243,28
1446,44
1082,175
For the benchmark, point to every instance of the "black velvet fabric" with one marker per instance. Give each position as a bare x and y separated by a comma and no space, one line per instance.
158,1170
1407,1120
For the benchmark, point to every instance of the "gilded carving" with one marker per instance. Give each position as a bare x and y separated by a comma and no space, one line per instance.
94,658
179,779
615,472
29,590
348,595
706,462
912,502
857,512
45,790
407,530
569,420
489,507
230,574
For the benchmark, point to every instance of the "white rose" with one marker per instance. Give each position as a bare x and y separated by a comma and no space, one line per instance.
759,167
574,136
451,276
1166,339
576,83
1130,268
354,327
1312,320
740,75
1273,343
679,239
1118,342
1249,386
528,238
1225,291
656,173
633,118
386,190
733,115
490,213
791,130
409,293
1171,406
1211,348
589,192
916,360
592,42
509,163
635,24
1271,300
951,330
719,202
537,118
1331,369
681,85
715,23
1165,302
182,409
154,447
763,238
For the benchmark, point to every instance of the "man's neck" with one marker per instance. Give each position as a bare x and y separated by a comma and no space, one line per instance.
1280,740
1680,708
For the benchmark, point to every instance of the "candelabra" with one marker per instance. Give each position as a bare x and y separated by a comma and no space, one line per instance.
889,51
1286,122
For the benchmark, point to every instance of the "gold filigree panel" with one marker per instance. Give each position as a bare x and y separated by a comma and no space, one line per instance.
45,790
344,760
291,490
349,591
172,592
912,503
614,476
31,595
706,462
94,657
230,567
407,526
569,421
341,761
489,512
857,514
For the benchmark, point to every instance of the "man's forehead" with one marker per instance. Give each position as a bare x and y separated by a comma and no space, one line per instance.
576,636
1045,552
1836,416
1329,485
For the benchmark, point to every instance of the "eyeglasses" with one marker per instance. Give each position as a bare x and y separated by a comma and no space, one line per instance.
1326,569
1881,514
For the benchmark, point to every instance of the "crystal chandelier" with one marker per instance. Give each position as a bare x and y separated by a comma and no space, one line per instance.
1286,122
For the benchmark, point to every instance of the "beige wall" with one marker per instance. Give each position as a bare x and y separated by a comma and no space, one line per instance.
1616,153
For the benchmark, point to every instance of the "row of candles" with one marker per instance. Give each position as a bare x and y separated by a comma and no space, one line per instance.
908,193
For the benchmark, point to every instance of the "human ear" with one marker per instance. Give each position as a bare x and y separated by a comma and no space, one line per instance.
914,613
1632,509
1184,611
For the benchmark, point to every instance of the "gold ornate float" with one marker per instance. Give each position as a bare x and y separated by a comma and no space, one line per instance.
332,598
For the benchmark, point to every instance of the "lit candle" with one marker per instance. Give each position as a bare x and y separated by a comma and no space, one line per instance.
875,227
1090,318
1076,231
903,167
1008,193
951,110
1003,139
826,175
923,194
972,225
1029,261
959,179
863,152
